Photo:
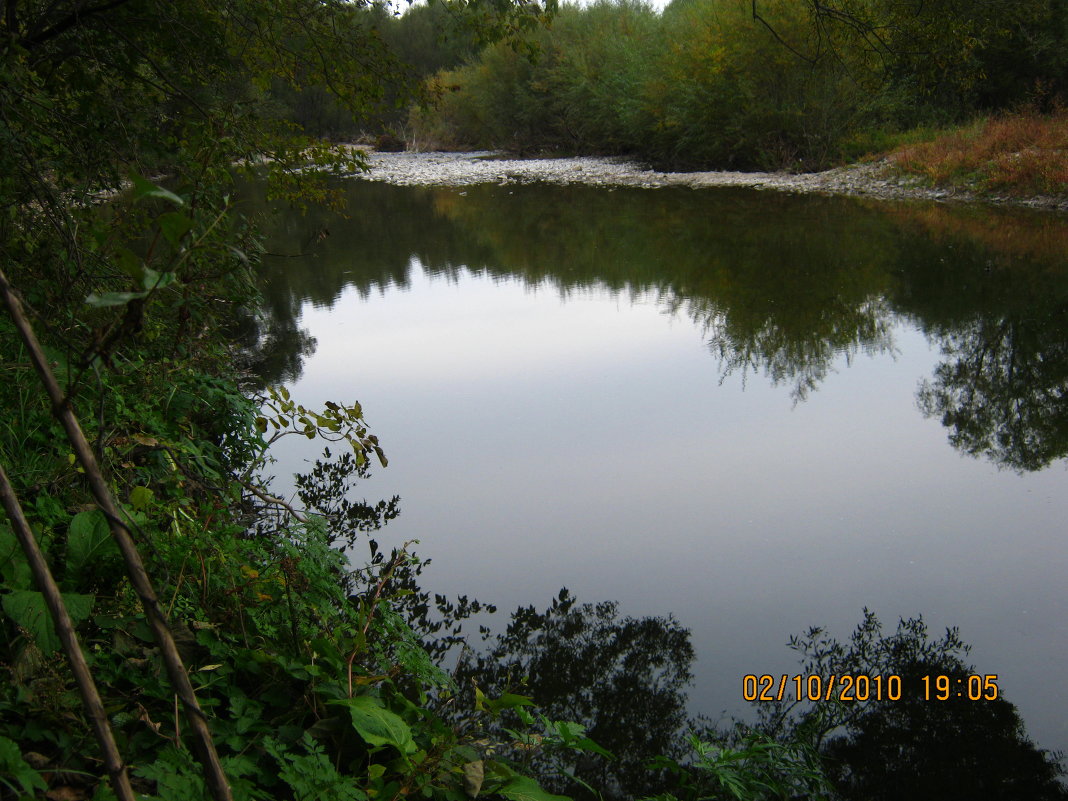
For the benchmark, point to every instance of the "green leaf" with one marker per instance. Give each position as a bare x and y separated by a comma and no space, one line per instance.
152,279
13,766
113,298
497,705
174,225
141,497
376,771
377,725
89,540
27,608
130,263
586,744
522,788
14,569
143,188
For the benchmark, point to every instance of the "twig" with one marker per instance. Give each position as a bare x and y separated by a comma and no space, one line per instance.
94,707
135,569
263,496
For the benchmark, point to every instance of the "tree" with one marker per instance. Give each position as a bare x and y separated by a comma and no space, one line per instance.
939,52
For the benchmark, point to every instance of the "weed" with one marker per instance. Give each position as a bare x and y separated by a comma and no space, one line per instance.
1021,154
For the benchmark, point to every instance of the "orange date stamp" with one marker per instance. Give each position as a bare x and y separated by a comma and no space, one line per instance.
850,688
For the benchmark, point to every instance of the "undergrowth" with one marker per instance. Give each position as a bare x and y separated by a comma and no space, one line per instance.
1022,154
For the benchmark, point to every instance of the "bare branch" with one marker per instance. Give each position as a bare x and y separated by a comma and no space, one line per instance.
135,569
42,576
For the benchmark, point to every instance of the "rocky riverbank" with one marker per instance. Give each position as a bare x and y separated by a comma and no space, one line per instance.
874,179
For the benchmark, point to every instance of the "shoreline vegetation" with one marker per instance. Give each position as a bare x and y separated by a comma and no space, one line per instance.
959,100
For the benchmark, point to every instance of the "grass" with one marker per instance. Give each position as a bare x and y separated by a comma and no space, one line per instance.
1024,154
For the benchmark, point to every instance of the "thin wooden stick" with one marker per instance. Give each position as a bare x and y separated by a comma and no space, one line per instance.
94,707
135,569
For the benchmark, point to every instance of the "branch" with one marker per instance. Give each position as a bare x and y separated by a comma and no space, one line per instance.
135,569
42,576
76,17
263,496
779,39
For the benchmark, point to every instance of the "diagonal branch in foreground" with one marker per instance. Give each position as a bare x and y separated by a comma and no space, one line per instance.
135,569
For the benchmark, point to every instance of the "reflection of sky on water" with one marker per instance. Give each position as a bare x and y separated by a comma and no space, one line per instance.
537,442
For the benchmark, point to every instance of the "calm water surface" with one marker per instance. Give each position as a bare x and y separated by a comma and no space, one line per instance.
755,412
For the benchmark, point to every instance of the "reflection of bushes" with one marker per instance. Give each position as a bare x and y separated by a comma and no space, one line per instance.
1023,155
917,747
1038,239
620,677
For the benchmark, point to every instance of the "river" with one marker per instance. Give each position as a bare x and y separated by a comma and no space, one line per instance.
752,411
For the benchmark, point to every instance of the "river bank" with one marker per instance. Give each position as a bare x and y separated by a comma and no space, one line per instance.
871,179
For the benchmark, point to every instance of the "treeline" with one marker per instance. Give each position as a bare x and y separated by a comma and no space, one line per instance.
737,83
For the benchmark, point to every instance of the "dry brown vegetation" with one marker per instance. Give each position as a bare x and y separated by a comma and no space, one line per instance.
1023,155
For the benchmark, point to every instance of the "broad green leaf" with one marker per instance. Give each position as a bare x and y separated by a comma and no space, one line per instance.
90,541
586,744
497,705
14,569
522,788
152,279
141,497
130,263
143,188
113,298
376,771
27,609
377,725
174,225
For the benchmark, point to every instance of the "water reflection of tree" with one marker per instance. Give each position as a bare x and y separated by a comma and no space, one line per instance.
998,311
786,299
789,299
270,347
914,748
802,363
1002,390
619,676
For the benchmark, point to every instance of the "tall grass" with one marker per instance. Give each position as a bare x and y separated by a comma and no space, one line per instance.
1021,154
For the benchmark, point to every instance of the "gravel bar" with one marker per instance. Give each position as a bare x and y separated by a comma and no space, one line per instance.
873,179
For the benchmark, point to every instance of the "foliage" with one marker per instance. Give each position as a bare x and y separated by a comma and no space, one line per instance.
312,679
1021,154
753,768
15,774
793,84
